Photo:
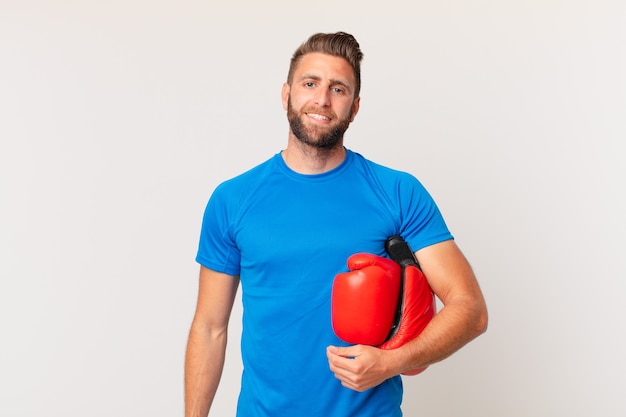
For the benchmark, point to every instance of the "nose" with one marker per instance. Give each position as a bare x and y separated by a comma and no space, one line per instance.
323,97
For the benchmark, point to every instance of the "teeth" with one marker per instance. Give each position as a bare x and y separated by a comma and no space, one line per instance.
318,116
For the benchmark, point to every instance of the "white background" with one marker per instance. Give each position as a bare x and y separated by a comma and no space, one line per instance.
118,118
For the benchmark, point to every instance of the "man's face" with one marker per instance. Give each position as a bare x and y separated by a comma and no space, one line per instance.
320,101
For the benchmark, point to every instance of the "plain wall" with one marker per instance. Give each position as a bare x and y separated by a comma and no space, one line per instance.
118,119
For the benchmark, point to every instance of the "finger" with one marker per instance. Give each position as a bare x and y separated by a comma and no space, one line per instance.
340,365
346,352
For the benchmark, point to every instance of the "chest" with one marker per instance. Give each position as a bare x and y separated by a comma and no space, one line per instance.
298,223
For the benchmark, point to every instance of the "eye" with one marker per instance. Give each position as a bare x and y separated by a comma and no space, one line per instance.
338,90
309,84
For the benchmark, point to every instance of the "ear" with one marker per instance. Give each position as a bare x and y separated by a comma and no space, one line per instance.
355,108
284,95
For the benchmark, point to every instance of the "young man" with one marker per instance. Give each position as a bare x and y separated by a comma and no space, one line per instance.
285,229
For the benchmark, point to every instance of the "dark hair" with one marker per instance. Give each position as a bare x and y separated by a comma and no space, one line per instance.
338,44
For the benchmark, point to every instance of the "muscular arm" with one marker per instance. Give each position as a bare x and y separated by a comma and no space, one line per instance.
462,318
206,347
464,313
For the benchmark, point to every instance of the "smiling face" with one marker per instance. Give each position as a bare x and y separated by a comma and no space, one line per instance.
320,100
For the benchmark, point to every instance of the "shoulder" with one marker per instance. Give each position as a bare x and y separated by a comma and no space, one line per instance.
248,180
385,175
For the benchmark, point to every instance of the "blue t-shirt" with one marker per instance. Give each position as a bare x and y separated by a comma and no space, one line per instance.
287,235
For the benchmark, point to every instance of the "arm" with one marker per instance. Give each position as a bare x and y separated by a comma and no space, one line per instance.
206,347
462,318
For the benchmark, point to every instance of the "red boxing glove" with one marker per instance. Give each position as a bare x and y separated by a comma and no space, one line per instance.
417,305
417,309
364,301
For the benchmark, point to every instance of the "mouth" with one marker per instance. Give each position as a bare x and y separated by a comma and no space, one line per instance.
319,117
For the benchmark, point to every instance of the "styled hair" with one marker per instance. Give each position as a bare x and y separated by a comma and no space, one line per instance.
339,44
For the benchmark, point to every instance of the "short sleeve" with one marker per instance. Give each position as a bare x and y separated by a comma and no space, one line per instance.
217,249
422,222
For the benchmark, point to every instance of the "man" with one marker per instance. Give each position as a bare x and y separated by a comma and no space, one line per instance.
285,229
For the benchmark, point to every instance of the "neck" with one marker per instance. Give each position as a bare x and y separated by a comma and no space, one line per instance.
307,159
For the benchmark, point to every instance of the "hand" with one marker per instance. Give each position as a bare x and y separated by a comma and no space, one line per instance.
360,367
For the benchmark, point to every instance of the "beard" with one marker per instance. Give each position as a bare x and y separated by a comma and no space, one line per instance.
319,137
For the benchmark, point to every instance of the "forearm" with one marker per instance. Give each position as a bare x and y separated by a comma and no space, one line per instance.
204,362
459,322
464,313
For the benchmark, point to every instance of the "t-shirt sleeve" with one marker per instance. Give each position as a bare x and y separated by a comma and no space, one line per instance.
217,249
422,223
